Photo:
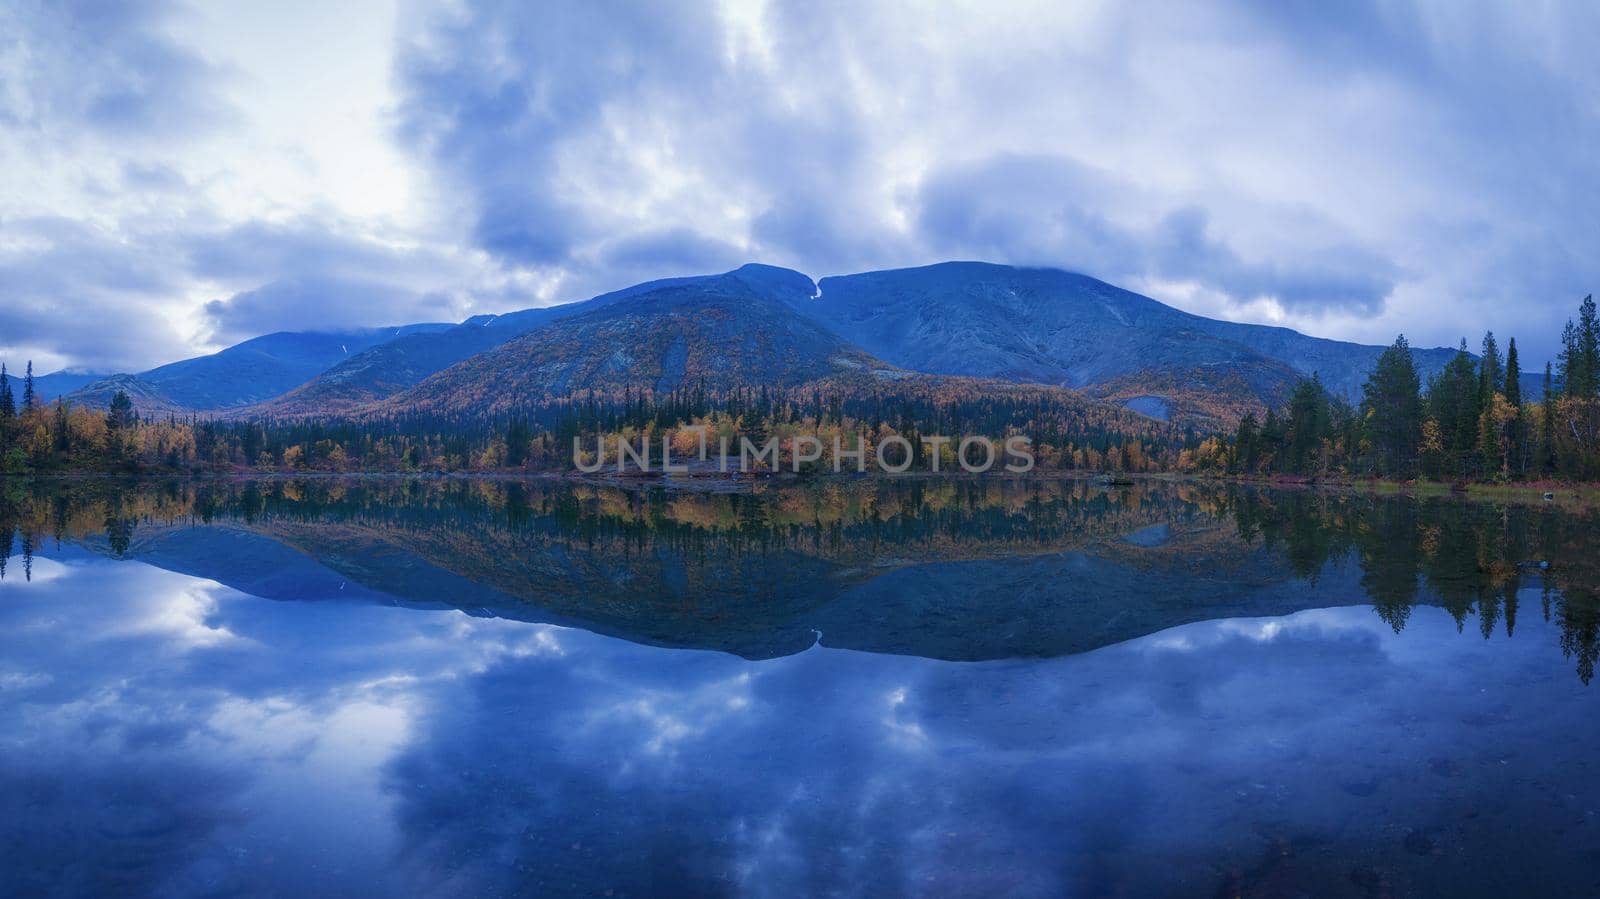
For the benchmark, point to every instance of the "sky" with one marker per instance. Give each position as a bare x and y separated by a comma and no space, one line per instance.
175,178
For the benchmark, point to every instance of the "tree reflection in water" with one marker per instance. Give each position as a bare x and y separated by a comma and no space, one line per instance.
960,569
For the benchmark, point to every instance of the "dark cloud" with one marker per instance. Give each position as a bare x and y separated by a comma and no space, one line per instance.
493,90
1032,210
77,291
1350,169
321,304
112,69
650,251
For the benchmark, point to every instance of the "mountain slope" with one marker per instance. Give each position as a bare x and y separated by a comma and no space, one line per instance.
722,331
245,373
1056,327
392,367
60,383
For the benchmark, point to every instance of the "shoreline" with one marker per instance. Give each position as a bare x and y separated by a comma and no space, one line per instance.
1562,492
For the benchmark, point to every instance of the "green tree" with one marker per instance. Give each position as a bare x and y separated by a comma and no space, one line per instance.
28,399
120,414
8,403
1454,402
1547,425
1580,353
1246,444
1392,407
1491,371
1518,438
1308,424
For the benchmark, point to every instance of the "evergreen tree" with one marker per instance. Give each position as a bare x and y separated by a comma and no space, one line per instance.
1547,426
27,389
1308,424
8,404
1455,404
1392,408
121,412
1519,431
1589,348
1246,444
1580,353
1491,371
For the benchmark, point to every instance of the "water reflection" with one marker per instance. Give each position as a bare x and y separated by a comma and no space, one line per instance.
960,570
169,727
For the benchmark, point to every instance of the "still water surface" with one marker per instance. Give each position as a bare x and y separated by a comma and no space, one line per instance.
861,688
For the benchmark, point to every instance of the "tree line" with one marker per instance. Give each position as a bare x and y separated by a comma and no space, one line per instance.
1068,432
1469,422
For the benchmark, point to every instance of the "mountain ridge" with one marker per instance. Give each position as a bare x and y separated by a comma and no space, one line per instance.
961,318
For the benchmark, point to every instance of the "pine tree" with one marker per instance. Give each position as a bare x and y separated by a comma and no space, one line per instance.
1246,446
1308,424
28,400
1589,348
121,412
1455,404
1393,409
1547,426
1580,353
1519,433
8,404
1491,371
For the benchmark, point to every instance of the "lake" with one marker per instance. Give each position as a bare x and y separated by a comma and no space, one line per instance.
875,687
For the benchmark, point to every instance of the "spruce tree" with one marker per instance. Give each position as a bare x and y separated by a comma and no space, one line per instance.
121,412
1246,445
1519,435
8,404
1308,424
1589,348
1580,353
1393,408
1491,371
27,389
1547,425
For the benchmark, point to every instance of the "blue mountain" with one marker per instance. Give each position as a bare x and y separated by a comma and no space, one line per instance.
1054,327
1025,325
249,372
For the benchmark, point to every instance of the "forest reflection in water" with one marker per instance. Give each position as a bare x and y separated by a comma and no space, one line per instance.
952,569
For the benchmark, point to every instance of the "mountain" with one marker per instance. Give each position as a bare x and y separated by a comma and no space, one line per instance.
60,383
1054,327
249,372
721,331
766,325
389,368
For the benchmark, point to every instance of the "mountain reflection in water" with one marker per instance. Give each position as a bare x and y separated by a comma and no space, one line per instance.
857,687
959,570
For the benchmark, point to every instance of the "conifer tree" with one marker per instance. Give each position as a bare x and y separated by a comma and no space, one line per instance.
8,404
1519,433
1547,425
1393,410
28,400
1491,377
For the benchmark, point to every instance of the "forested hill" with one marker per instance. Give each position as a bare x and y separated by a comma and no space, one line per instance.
993,322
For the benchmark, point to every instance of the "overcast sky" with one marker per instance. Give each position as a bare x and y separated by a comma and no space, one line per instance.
176,178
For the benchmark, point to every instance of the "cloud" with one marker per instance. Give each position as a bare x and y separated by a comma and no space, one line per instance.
321,304
1033,210
1346,171
1279,162
74,292
108,71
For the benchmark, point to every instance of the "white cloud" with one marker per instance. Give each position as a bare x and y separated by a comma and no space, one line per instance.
1347,170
